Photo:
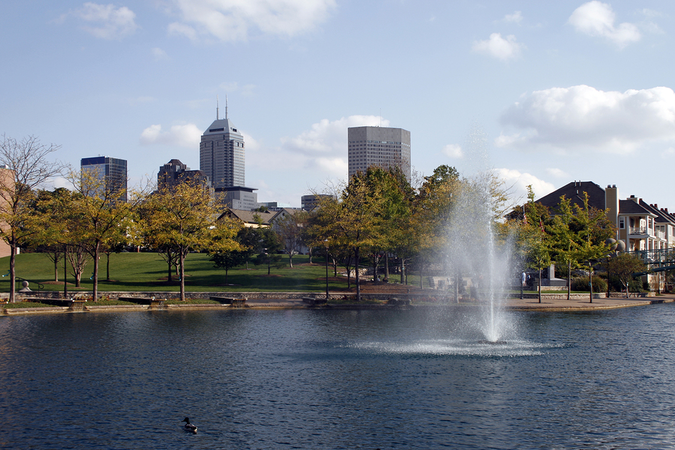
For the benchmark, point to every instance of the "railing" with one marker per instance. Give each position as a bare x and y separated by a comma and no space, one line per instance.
638,231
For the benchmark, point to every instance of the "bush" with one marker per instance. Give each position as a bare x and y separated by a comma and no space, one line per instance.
582,284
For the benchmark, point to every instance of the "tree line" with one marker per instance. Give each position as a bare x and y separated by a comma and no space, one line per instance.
378,218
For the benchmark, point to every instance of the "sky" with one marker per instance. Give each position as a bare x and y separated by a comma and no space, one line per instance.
542,93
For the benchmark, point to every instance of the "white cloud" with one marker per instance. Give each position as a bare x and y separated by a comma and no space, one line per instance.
235,20
322,149
187,136
159,55
584,117
597,19
106,21
498,47
329,137
518,182
557,173
453,151
516,17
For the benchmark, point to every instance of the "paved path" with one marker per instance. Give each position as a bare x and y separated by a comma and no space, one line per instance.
584,305
531,304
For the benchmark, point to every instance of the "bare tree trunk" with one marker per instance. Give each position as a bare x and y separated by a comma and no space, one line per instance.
97,249
12,270
182,276
356,266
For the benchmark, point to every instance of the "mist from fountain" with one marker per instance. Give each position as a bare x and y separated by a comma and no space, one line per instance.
475,258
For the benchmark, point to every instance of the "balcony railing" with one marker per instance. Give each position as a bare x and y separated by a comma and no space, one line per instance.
638,230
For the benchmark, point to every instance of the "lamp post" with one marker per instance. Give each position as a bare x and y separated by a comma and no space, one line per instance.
326,246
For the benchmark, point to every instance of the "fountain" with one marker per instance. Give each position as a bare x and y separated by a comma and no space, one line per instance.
473,258
476,261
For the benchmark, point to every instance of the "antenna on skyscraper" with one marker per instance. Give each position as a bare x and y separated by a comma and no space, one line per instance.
226,106
217,108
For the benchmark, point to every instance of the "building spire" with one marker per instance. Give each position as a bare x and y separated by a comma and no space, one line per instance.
226,106
217,108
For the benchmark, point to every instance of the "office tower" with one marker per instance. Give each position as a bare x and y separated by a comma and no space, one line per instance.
378,146
221,154
175,172
111,172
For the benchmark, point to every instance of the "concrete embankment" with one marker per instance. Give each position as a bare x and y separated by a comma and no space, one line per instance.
294,300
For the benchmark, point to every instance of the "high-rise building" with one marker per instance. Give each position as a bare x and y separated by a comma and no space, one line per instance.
175,172
378,146
111,172
221,154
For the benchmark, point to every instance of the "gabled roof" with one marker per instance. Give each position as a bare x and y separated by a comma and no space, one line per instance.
632,208
574,192
662,216
249,217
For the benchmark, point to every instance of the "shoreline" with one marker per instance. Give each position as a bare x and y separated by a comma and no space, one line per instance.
549,303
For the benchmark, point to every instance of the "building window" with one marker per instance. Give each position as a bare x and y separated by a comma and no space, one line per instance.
622,222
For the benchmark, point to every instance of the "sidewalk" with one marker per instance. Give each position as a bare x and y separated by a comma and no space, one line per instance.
550,304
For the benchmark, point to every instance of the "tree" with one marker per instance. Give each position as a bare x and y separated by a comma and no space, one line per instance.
27,168
271,247
563,239
180,219
431,213
225,250
533,236
624,266
290,229
104,216
593,229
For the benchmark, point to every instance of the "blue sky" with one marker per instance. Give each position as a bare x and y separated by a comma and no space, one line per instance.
559,91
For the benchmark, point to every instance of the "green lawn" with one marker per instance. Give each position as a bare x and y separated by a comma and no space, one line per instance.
148,272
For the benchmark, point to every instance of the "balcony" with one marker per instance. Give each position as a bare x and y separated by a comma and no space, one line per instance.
638,231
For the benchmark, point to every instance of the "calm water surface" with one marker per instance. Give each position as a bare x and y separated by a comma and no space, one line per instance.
316,379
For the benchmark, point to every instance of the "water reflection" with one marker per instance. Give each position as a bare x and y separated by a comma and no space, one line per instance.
337,379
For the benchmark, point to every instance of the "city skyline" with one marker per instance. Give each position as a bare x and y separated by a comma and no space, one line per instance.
543,93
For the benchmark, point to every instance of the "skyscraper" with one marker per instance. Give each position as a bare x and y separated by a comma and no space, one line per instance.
378,146
221,154
111,172
175,172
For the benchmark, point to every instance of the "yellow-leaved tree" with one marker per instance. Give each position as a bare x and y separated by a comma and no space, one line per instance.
183,218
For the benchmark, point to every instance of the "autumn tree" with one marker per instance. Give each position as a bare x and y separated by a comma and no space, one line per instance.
225,250
430,217
104,216
182,219
26,168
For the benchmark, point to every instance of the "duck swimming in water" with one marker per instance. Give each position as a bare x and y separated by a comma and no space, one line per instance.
188,426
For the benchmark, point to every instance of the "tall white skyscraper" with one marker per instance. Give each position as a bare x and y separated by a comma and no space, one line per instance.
378,146
221,154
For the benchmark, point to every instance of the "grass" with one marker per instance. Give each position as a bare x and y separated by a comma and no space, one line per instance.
148,272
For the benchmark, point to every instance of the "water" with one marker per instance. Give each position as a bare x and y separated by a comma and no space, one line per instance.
473,254
338,380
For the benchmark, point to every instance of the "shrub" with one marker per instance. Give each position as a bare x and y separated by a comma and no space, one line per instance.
582,284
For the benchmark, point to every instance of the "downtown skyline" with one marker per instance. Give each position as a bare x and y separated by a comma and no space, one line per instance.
562,91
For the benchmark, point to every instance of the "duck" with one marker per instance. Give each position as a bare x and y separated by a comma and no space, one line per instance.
188,426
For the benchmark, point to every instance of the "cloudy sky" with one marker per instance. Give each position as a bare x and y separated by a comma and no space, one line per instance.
544,93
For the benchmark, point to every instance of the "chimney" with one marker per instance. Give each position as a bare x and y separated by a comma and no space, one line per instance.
612,204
